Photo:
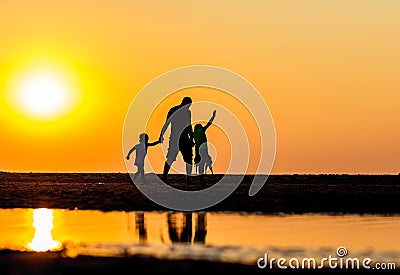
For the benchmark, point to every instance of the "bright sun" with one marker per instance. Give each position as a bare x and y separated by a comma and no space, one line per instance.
43,95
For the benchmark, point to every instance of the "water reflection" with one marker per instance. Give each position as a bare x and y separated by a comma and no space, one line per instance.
180,229
201,228
89,232
140,227
180,233
43,224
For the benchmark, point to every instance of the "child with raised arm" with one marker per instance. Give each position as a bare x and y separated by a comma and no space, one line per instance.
202,158
141,152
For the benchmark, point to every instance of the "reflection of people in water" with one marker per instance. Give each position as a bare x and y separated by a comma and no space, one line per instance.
175,234
201,228
183,234
140,227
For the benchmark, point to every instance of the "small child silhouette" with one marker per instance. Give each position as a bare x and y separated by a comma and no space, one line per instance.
141,152
202,158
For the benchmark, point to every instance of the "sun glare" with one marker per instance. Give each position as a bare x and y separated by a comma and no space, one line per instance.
43,95
43,224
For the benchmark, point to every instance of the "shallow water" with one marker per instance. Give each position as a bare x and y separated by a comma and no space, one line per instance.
215,236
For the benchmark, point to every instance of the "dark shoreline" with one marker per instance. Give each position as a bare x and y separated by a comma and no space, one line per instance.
12,262
289,194
292,194
35,263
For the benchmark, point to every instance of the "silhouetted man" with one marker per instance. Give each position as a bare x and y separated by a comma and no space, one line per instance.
181,138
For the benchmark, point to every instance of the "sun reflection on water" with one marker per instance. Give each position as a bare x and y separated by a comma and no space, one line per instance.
43,238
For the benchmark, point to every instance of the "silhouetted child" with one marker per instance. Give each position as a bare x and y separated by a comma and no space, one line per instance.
202,158
141,152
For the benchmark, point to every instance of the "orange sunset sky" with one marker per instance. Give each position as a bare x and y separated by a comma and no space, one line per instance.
328,70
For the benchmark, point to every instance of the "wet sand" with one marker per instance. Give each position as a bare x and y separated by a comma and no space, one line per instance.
54,263
362,194
335,194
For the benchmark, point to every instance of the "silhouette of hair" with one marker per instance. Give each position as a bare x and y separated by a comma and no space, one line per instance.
144,137
186,100
198,126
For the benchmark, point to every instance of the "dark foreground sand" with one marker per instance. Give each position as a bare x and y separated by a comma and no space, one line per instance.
363,194
54,264
336,194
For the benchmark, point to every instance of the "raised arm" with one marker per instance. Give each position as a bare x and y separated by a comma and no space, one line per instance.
130,152
210,121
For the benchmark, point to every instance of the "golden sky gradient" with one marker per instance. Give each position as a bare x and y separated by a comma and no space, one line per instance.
329,72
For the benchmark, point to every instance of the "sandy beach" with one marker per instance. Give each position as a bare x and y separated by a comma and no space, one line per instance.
289,194
363,194
53,263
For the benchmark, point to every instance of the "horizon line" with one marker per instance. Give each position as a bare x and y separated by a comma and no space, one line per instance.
231,174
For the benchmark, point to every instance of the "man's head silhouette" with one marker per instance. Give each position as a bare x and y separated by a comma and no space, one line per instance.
186,101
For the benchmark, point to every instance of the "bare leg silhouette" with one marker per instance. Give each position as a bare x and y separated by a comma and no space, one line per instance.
167,166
